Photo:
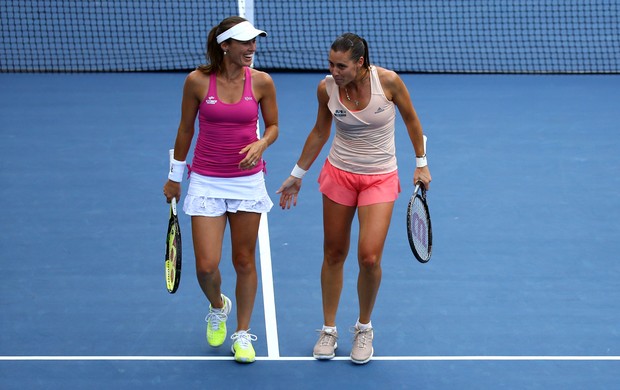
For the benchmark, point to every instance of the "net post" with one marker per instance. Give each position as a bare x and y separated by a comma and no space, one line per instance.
246,9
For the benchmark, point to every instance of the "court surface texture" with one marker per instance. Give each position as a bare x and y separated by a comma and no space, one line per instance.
522,291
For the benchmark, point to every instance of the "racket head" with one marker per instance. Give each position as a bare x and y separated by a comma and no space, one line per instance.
419,229
173,259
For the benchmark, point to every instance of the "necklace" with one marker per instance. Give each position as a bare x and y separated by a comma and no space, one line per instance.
357,103
346,91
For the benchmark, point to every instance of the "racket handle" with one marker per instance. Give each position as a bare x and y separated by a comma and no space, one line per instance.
173,205
417,188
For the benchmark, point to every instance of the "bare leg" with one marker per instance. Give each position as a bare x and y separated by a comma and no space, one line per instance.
374,224
207,235
244,233
337,221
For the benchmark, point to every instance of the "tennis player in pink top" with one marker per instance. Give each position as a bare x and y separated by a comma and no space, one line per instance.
226,184
360,174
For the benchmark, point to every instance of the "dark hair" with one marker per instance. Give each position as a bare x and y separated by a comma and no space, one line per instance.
215,54
354,43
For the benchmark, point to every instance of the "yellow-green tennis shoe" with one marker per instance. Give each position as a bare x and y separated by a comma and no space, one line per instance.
216,323
242,346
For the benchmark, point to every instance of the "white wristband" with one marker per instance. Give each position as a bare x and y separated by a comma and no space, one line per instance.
421,162
298,172
176,170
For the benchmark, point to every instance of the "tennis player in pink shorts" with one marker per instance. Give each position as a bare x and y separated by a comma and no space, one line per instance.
359,175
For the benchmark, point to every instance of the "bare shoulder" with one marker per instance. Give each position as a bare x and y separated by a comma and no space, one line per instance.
388,77
393,86
321,91
196,85
197,76
260,78
322,85
197,81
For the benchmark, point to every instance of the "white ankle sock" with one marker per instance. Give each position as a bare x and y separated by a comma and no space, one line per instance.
329,329
361,326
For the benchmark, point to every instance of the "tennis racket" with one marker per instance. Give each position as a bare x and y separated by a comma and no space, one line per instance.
419,228
173,259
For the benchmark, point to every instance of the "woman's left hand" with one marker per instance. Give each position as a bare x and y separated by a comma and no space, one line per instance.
422,175
254,153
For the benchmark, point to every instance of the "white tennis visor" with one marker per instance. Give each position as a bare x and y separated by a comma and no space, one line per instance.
243,31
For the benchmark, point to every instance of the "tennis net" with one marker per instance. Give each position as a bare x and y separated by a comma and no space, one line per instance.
459,36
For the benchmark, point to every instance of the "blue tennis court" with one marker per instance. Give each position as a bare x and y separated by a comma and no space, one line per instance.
519,101
522,291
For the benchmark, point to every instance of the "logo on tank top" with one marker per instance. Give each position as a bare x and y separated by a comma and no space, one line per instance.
211,100
381,109
248,98
340,113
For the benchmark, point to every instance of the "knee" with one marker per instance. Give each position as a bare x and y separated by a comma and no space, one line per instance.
244,264
334,256
206,269
369,261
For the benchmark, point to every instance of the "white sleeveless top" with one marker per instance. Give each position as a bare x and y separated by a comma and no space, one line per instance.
364,140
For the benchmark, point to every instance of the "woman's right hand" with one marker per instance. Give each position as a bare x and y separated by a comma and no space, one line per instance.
172,189
288,192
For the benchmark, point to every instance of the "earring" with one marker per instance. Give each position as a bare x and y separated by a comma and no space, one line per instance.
225,52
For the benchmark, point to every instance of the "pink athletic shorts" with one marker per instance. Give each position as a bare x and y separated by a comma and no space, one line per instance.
352,189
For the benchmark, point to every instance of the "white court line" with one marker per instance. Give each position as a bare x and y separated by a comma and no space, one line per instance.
308,358
269,300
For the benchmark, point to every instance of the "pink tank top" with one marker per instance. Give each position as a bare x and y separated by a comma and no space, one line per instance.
224,130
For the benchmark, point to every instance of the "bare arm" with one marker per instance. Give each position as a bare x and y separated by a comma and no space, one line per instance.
320,132
315,141
185,132
265,93
396,90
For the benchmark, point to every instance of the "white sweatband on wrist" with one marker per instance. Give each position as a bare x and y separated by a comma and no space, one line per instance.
298,172
420,162
177,168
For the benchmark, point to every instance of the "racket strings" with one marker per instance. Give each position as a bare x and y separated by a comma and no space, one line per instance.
419,228
173,257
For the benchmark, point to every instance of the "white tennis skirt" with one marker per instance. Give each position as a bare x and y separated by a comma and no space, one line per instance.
214,196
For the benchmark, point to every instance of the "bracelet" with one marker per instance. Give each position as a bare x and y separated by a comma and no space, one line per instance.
420,162
176,170
298,172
